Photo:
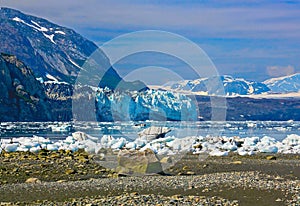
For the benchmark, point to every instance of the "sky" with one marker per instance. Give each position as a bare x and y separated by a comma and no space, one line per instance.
252,39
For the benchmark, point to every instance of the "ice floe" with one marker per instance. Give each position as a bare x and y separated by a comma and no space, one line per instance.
169,145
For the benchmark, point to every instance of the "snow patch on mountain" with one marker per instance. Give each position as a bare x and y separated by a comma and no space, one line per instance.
50,37
40,28
284,84
52,80
60,32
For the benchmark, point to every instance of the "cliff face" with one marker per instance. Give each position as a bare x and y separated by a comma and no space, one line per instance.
22,97
45,47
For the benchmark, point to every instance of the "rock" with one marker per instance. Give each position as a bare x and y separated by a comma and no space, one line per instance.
185,168
236,162
70,171
166,160
33,180
153,132
197,146
20,89
190,173
61,181
271,158
138,162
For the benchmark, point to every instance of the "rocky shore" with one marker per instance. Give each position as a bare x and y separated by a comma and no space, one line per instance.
66,178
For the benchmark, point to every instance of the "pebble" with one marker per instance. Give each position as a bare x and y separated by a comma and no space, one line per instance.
271,158
133,185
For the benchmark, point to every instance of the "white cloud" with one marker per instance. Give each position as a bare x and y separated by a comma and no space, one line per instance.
278,71
259,20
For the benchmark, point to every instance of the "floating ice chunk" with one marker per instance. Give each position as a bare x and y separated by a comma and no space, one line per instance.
52,147
90,146
35,149
267,139
80,136
269,149
218,153
149,146
69,140
165,151
40,140
131,145
183,144
229,146
250,141
121,142
22,148
106,140
163,140
140,143
11,147
292,140
241,151
251,124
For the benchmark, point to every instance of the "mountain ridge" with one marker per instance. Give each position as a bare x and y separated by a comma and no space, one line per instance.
289,83
226,85
57,51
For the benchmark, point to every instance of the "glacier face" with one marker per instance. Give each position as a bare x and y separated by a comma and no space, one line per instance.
144,105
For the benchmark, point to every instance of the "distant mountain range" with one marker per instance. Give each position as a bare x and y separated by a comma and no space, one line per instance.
230,86
284,84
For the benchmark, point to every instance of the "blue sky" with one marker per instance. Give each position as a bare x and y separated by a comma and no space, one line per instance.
251,39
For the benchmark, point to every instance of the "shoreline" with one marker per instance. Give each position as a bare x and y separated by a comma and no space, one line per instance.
231,180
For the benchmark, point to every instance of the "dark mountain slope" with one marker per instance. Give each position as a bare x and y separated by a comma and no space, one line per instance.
22,97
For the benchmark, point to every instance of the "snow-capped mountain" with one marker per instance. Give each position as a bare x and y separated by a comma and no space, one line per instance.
47,48
284,84
219,85
54,53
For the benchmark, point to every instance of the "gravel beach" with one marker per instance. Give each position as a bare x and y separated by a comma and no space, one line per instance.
77,179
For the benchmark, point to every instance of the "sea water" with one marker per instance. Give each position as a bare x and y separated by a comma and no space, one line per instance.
129,130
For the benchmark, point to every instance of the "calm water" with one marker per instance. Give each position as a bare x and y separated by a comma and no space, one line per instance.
129,130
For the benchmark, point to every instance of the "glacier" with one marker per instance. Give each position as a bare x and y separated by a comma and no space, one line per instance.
144,105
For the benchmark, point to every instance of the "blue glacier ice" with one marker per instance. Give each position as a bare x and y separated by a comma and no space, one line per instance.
144,105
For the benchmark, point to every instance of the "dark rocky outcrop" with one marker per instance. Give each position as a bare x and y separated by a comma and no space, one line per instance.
22,97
